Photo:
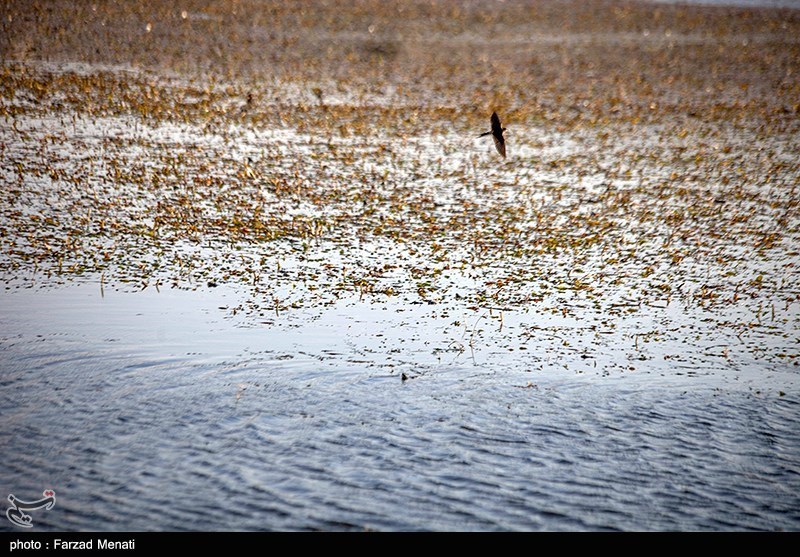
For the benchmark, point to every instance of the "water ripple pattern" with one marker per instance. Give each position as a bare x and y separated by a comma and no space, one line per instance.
185,441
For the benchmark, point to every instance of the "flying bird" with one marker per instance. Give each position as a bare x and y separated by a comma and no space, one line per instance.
497,135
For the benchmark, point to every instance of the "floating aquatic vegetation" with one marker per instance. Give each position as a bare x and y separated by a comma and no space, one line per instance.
652,171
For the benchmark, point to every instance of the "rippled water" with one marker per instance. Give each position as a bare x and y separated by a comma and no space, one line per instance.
159,411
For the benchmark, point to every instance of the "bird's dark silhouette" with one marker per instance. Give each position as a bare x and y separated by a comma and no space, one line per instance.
497,135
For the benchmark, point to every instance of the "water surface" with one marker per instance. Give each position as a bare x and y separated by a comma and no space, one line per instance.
157,410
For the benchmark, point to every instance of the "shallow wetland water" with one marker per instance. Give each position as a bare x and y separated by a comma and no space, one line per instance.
288,279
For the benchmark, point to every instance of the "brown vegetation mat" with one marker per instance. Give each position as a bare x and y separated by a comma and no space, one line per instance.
315,149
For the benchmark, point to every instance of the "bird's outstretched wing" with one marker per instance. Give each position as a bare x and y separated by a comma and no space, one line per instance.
500,143
497,129
497,135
